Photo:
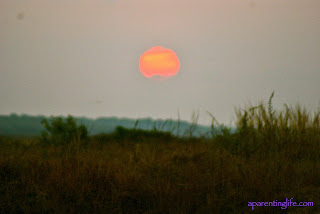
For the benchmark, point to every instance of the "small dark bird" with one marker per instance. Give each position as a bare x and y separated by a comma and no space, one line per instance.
20,16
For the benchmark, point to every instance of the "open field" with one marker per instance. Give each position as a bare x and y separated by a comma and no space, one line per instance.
272,156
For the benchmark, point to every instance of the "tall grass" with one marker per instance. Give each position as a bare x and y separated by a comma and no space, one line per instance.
263,128
274,155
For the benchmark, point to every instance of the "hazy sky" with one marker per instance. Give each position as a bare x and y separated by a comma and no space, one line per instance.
82,57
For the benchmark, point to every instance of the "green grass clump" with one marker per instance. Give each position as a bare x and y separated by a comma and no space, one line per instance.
272,156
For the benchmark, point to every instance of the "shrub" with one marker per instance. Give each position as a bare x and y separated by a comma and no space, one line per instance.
59,131
138,135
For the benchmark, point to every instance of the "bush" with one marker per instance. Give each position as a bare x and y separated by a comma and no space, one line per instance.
59,131
123,134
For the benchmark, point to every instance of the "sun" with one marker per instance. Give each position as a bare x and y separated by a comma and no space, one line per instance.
159,61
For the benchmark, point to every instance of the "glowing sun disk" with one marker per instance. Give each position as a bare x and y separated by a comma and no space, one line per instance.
159,61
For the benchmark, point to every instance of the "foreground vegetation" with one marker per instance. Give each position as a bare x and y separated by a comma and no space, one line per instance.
272,156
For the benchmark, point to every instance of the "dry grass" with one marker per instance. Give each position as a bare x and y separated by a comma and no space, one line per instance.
273,156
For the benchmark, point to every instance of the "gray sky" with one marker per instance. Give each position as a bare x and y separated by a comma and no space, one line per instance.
82,57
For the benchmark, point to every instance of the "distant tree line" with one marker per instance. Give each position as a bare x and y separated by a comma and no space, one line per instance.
26,125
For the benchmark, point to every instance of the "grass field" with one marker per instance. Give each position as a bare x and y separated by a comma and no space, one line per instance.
273,155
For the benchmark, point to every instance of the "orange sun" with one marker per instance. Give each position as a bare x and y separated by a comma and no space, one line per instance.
159,61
